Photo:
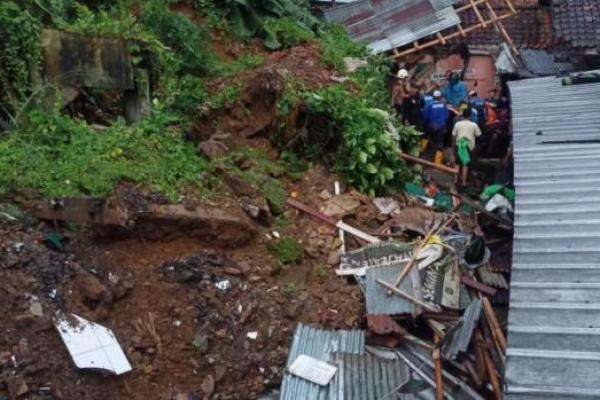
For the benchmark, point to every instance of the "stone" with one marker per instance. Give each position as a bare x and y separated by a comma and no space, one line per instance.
200,343
213,149
17,387
208,386
232,271
340,206
92,289
220,372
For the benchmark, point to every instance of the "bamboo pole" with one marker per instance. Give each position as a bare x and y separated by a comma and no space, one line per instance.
478,13
461,32
491,371
417,160
407,296
420,248
500,26
439,384
494,324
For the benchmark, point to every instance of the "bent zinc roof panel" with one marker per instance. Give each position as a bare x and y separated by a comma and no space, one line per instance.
386,24
554,319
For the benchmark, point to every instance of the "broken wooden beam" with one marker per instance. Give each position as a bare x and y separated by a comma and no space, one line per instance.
502,223
472,283
427,163
331,221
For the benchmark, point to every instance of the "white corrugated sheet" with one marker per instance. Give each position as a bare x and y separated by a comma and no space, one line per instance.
554,318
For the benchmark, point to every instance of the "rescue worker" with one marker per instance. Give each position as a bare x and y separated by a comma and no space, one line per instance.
436,117
478,104
464,136
456,90
411,108
400,91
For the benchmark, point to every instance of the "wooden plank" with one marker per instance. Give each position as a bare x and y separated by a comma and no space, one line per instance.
427,163
472,283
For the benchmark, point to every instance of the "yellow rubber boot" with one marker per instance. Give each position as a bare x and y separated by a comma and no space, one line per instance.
424,144
439,157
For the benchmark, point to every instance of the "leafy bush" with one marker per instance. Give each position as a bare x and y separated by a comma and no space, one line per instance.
285,32
368,154
190,41
262,18
337,44
20,52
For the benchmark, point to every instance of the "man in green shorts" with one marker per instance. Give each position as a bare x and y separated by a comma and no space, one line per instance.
464,135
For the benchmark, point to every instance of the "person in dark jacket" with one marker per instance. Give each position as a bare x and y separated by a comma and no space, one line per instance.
411,108
436,117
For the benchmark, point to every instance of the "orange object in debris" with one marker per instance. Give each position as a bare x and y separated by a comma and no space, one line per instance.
294,194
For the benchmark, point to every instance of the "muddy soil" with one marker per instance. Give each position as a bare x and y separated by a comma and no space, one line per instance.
182,334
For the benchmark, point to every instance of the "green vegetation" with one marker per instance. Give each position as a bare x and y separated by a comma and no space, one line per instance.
62,156
286,250
20,50
47,150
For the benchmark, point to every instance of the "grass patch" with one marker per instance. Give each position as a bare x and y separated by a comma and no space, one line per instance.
287,250
61,156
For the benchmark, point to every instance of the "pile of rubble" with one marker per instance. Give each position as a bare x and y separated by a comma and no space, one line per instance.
435,287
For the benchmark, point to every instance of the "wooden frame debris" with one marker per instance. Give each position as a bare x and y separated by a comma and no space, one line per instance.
484,21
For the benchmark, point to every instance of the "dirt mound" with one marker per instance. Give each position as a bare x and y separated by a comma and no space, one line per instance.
256,109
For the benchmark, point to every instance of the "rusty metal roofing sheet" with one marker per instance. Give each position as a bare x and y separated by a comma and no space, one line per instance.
320,344
554,318
387,24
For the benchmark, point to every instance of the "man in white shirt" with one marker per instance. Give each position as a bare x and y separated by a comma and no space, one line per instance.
464,135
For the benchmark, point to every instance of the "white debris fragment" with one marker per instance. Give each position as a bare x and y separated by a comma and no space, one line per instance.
313,370
276,234
252,335
92,346
223,285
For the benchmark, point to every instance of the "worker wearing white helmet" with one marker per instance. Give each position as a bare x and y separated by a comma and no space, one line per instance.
402,74
400,91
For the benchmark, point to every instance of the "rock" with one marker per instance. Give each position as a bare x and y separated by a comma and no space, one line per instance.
25,320
220,372
325,195
254,278
245,267
200,343
17,387
120,288
208,386
334,258
257,208
212,149
92,289
231,271
238,186
340,206
35,307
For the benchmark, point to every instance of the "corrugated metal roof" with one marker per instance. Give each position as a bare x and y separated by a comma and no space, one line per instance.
386,24
367,377
377,299
461,336
320,344
554,318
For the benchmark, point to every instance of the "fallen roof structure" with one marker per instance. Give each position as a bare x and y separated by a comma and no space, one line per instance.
385,25
554,318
